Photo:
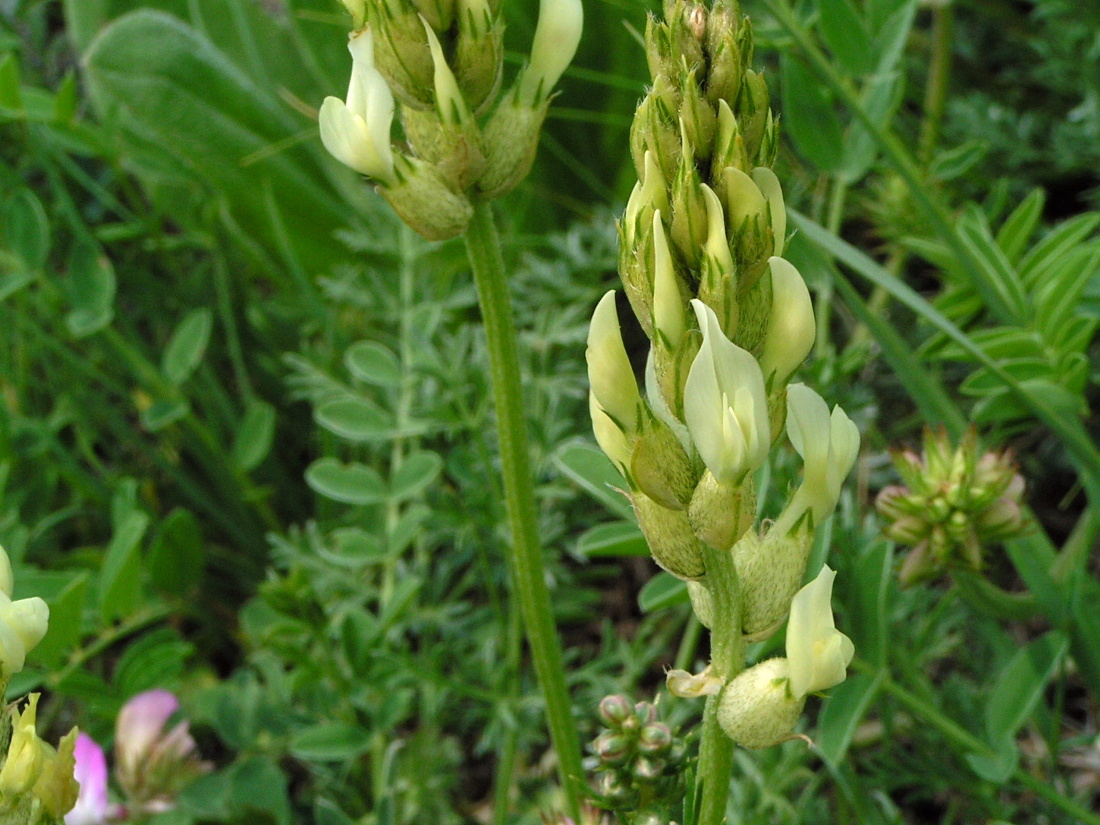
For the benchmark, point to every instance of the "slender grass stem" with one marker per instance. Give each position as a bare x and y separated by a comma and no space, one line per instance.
962,738
525,556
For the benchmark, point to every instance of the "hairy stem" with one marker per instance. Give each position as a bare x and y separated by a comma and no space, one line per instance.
525,557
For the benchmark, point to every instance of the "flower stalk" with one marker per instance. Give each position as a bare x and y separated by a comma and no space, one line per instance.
729,321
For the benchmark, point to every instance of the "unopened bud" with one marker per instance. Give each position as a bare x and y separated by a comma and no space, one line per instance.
612,748
669,311
509,141
615,709
422,198
791,327
770,570
660,466
609,371
655,738
719,512
438,13
671,540
402,53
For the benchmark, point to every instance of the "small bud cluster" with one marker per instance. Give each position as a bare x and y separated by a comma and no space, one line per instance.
36,780
956,501
640,761
729,320
437,65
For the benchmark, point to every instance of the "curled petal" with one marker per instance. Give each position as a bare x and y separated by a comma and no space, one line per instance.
556,39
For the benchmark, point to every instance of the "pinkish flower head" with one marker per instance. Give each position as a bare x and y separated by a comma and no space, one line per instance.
140,724
91,774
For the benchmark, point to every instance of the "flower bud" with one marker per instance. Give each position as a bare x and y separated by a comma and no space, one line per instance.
438,13
671,540
357,132
725,70
817,653
720,513
450,105
757,709
770,570
423,200
557,36
725,407
509,141
609,372
660,467
697,115
689,209
402,53
654,129
648,770
718,277
669,315
25,757
612,748
615,709
729,147
655,738
791,328
479,53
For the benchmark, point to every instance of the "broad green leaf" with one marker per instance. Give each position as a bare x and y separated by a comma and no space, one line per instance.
594,473
352,483
66,622
1016,231
186,113
327,812
842,713
809,116
153,660
358,546
354,419
163,412
14,278
255,435
26,229
329,742
1020,686
11,99
186,346
403,594
373,363
408,527
176,554
663,590
891,21
258,784
998,766
119,575
845,32
620,538
416,472
91,288
860,148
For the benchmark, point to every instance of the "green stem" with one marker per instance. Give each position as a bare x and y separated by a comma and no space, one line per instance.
525,559
961,737
939,74
727,660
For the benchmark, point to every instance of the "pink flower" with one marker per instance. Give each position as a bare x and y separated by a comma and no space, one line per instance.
91,774
152,764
